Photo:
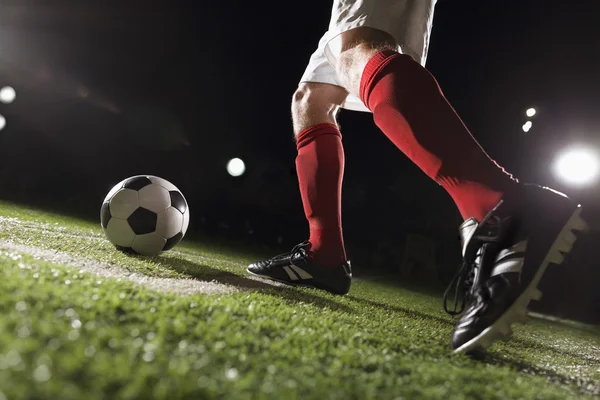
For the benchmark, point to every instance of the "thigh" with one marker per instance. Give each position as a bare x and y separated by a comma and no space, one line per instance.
319,70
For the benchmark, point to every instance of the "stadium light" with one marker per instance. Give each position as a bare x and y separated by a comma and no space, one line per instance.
236,167
527,126
530,112
577,166
2,122
7,94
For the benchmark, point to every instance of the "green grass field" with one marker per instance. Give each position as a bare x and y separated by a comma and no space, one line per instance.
81,320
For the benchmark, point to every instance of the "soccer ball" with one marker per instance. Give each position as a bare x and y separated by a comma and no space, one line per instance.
146,214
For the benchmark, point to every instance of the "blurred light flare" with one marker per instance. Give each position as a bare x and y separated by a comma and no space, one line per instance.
236,167
527,126
2,122
530,112
577,166
7,94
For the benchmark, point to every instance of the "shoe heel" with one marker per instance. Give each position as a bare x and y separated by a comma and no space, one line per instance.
567,237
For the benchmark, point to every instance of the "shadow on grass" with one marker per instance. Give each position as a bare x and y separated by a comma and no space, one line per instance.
403,310
207,273
431,288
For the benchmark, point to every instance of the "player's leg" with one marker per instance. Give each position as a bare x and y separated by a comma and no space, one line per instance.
409,107
320,167
321,261
512,232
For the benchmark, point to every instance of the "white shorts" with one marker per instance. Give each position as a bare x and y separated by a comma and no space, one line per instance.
408,21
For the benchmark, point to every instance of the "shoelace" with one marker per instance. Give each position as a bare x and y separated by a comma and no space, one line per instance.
297,249
464,277
465,274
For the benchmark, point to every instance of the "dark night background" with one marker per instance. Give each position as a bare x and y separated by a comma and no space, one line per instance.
106,90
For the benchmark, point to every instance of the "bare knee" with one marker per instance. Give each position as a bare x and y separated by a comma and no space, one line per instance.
316,103
318,98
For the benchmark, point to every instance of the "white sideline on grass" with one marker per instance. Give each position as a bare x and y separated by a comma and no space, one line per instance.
180,286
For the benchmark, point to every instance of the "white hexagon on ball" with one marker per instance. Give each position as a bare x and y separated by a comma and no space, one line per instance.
169,223
119,232
162,182
124,203
154,198
149,244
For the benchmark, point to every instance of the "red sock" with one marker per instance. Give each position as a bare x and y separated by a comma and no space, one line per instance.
410,108
320,168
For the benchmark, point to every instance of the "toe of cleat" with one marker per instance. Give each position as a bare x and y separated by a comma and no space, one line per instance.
500,331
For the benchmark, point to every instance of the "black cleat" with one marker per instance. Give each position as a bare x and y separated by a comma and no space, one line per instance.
296,268
503,263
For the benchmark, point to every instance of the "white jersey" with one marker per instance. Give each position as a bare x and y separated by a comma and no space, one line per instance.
408,21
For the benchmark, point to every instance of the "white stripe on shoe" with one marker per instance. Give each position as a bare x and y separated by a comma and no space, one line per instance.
302,273
291,273
511,263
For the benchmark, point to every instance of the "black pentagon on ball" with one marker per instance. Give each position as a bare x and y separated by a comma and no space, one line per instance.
142,221
172,242
105,215
137,182
178,201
